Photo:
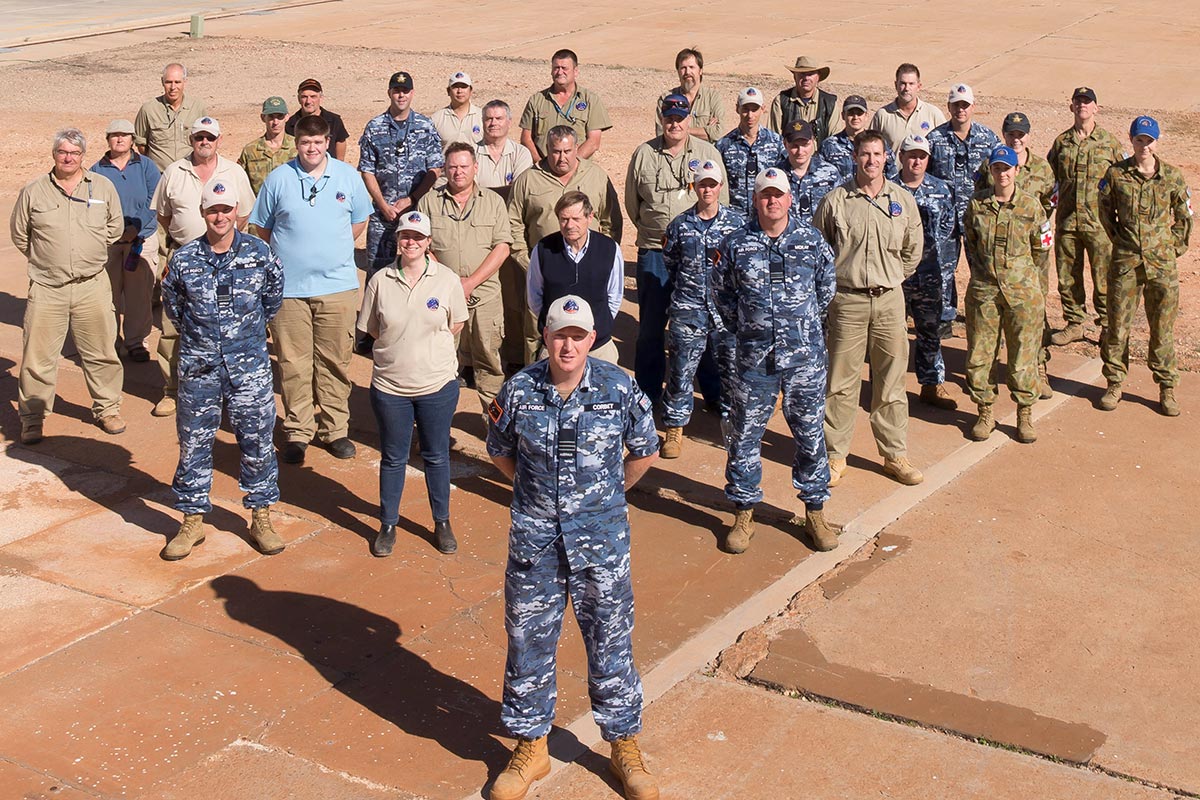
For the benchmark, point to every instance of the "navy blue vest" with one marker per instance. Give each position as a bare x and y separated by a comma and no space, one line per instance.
589,278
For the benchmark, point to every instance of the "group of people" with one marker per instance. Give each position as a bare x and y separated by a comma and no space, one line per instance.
772,260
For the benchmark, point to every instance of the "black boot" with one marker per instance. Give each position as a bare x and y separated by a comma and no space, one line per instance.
385,540
443,537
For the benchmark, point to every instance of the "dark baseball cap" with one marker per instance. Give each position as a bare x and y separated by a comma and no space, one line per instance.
798,130
676,105
1016,121
309,83
855,101
1084,92
402,81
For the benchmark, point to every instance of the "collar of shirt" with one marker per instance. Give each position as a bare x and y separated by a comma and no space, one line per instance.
756,228
854,189
396,272
551,391
577,255
302,173
231,253
134,158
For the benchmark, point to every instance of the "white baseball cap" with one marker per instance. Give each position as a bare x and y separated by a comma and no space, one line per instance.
961,93
772,178
218,193
206,125
914,142
751,94
571,311
709,169
459,77
414,221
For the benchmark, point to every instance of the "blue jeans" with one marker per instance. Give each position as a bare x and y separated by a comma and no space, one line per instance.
654,296
432,413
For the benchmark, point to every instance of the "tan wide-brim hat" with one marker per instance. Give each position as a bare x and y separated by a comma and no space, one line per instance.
806,64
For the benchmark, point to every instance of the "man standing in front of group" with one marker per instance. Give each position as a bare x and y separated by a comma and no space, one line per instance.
1080,158
559,431
1146,208
658,188
773,279
273,148
63,223
564,102
311,210
806,102
748,149
310,95
907,115
874,227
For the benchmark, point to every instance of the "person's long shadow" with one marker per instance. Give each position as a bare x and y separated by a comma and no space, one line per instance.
371,668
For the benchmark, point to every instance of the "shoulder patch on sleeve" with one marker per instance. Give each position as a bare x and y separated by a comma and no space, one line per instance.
495,412
1103,184
644,404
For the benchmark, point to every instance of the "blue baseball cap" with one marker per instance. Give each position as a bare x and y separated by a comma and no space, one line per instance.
1004,155
676,105
1144,126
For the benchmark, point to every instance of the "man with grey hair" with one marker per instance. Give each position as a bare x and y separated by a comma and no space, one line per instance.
63,223
163,125
501,159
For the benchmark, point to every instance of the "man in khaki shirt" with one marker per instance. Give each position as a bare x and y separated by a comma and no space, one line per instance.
500,159
472,236
806,101
462,120
564,102
531,210
163,125
874,228
64,223
907,114
705,103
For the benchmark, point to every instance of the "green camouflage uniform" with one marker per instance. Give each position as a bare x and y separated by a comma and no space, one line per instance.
1078,166
1149,221
258,160
1005,242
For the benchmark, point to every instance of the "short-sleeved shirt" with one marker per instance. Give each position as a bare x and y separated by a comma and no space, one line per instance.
494,173
66,238
314,239
452,129
463,237
414,350
895,127
877,241
135,185
164,132
707,112
585,112
258,159
660,186
178,196
399,153
337,128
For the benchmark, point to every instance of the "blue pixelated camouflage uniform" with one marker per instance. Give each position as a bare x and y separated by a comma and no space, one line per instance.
956,161
838,150
743,162
570,538
398,155
923,289
819,179
695,325
221,304
774,296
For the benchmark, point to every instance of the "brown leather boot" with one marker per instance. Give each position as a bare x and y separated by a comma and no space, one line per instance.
530,761
822,533
1072,333
837,468
741,532
901,470
1044,389
1112,396
936,395
1167,402
191,533
672,444
983,426
629,766
265,538
1025,430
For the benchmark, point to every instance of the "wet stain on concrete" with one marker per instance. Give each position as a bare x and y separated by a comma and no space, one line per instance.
887,547
794,663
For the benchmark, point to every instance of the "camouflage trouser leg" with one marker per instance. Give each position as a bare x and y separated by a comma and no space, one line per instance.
1070,248
949,287
535,599
250,404
753,404
197,417
923,296
804,410
988,314
381,243
686,345
1162,307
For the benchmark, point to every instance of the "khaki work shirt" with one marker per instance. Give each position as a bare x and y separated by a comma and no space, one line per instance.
534,193
258,159
707,113
164,132
877,241
464,237
659,186
178,196
895,127
585,112
494,173
452,129
66,238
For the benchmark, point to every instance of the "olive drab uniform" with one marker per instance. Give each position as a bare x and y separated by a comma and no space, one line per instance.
1149,220
221,304
570,538
1005,242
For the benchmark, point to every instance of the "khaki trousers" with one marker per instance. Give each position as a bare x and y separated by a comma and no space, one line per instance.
132,292
86,308
522,339
874,327
479,345
167,351
314,340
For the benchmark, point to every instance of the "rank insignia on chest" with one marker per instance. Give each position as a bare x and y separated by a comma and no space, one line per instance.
895,209
432,304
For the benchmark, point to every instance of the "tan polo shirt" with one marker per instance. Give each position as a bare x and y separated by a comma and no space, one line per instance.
464,237
894,127
165,132
876,241
659,186
66,238
178,196
452,129
585,112
708,111
414,349
494,173
534,193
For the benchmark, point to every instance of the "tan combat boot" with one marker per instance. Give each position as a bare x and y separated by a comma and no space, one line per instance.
164,408
742,531
672,444
902,471
1167,402
1025,431
837,468
1112,396
824,535
1072,333
983,426
630,768
1044,389
191,533
265,538
530,761
936,395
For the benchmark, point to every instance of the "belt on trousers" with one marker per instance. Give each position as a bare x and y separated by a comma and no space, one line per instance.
872,291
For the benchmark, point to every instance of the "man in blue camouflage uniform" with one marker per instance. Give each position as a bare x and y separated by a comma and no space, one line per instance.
221,290
923,289
400,159
809,175
772,280
838,149
748,149
696,332
956,149
559,430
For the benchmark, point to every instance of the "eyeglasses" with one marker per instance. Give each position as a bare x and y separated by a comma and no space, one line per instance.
69,153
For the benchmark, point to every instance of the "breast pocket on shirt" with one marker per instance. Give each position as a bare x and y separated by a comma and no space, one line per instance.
599,439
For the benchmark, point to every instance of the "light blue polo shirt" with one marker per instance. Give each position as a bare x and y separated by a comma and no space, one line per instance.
310,225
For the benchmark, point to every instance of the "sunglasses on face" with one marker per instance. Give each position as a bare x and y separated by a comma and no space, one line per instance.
204,137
